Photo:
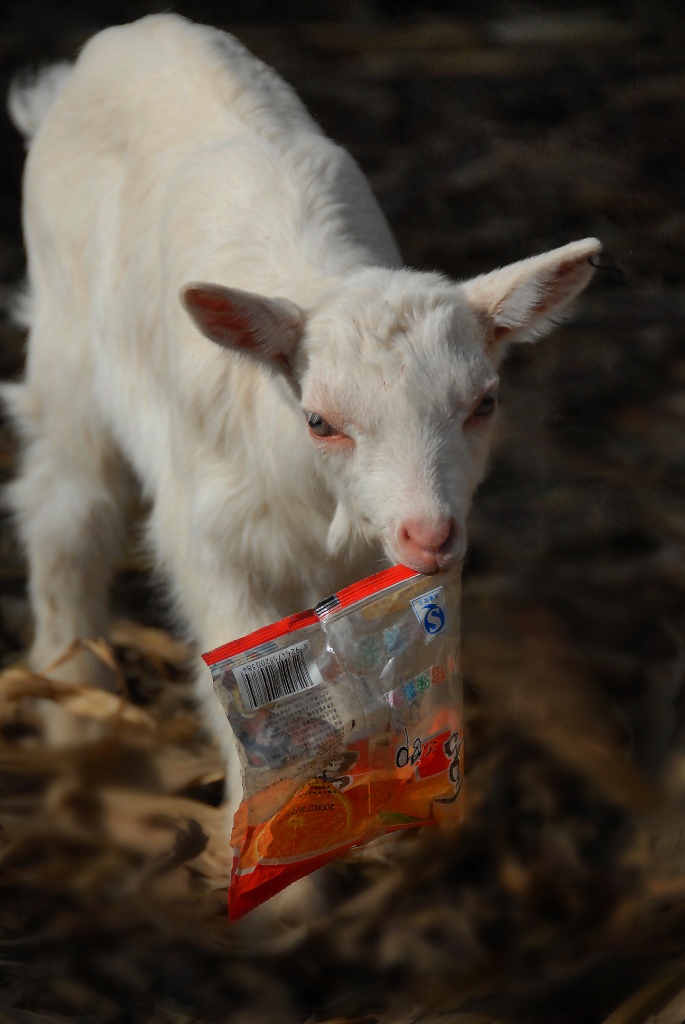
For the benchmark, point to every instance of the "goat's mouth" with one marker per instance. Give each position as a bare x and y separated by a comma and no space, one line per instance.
434,567
428,563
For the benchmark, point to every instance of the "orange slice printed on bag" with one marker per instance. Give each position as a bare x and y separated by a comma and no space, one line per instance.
316,818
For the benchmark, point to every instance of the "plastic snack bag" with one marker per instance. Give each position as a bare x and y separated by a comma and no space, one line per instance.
348,720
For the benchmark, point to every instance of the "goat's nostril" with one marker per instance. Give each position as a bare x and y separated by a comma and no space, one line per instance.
449,537
403,535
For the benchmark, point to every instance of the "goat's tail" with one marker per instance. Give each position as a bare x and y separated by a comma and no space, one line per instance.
32,93
30,96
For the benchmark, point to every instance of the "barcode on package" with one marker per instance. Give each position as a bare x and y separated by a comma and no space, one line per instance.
288,671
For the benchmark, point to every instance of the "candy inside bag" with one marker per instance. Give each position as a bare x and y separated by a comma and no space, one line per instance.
348,720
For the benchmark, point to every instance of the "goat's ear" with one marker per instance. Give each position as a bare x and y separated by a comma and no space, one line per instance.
522,301
267,329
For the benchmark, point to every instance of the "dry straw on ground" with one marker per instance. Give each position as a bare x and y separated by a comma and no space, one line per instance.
549,904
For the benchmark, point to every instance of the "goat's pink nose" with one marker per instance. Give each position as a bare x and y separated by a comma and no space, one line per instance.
425,544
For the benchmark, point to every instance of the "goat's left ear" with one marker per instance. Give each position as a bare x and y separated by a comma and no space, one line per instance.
265,329
522,301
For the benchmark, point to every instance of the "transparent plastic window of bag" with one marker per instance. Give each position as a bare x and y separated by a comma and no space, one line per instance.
348,720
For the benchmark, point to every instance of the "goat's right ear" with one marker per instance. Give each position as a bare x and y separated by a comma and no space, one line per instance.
267,329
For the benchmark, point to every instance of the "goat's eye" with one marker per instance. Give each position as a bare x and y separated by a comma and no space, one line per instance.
317,424
487,405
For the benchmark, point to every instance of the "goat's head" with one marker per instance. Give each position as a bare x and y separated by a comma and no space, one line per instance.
396,373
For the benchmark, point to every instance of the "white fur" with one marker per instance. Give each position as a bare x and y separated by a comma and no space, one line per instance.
170,155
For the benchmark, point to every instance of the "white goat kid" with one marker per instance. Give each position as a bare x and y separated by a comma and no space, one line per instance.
344,413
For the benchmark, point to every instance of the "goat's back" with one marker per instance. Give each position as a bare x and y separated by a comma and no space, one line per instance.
173,132
163,79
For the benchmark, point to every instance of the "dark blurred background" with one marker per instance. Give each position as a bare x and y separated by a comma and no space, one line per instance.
490,131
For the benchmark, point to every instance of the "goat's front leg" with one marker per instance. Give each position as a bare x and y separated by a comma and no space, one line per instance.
71,502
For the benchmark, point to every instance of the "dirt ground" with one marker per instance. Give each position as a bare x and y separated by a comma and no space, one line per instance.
489,131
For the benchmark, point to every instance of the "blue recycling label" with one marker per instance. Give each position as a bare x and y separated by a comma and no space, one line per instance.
430,611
